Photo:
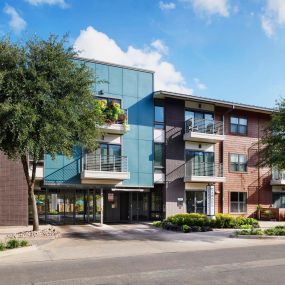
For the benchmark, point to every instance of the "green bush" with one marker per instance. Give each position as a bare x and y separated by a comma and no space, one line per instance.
246,221
157,224
185,229
243,232
225,221
2,246
245,227
276,231
23,243
192,219
12,243
257,232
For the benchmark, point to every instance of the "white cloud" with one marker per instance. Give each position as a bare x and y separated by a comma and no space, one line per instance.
167,5
60,3
160,46
97,45
273,17
267,26
16,23
199,84
210,7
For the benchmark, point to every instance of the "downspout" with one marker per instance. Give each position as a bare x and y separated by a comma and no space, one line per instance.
223,154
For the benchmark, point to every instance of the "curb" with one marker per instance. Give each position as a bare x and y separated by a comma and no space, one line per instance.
258,237
15,251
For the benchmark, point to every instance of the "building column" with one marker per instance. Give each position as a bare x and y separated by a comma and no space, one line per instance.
102,207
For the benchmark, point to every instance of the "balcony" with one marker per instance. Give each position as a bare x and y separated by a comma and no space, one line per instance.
104,167
278,177
203,172
203,130
120,127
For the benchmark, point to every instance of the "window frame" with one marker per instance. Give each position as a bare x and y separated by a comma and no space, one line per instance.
159,168
159,124
238,125
239,202
238,163
110,100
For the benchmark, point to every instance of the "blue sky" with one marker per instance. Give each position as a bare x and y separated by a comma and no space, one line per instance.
226,49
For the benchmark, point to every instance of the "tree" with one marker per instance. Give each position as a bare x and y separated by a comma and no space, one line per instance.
46,104
272,153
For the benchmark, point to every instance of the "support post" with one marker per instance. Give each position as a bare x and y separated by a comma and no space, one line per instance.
102,207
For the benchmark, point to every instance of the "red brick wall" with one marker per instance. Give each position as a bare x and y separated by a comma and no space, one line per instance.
256,186
13,193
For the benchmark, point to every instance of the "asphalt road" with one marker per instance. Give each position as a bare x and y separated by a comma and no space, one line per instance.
245,265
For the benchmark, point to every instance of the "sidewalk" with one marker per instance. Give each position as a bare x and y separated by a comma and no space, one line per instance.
270,224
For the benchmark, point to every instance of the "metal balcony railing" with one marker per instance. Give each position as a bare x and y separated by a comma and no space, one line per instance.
110,163
203,169
278,174
204,126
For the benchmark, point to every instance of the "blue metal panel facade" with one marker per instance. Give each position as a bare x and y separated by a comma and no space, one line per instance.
134,88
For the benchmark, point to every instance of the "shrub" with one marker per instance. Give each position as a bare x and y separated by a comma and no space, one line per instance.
185,229
225,221
157,224
192,219
246,221
276,231
243,232
23,243
2,246
12,243
246,227
195,229
257,232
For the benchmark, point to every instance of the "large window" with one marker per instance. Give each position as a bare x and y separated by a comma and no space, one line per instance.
238,202
158,114
238,162
199,121
238,125
158,157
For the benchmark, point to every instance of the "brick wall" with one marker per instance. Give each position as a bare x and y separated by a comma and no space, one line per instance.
13,193
255,183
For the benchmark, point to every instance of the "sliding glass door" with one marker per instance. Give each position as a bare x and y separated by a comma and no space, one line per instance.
110,157
200,163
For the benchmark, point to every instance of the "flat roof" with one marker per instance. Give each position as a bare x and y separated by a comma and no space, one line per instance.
217,102
113,64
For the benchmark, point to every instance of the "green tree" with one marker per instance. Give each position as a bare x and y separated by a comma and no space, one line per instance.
46,104
272,153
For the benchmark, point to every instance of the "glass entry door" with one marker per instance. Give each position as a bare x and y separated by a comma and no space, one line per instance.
196,202
140,206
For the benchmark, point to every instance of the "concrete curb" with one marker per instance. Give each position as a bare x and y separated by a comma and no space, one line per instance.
258,237
15,251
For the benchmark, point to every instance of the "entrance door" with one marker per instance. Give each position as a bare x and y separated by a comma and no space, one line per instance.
196,202
124,206
140,206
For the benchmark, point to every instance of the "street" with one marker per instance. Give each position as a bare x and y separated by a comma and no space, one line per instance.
149,260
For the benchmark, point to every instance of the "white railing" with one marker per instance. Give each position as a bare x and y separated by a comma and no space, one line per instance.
204,126
203,169
110,163
278,174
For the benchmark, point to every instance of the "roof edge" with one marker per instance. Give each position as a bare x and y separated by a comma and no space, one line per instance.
216,102
113,64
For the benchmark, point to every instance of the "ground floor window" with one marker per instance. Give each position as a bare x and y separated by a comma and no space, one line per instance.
238,202
278,200
196,202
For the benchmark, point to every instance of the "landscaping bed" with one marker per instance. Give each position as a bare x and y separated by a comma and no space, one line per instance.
13,243
201,223
271,232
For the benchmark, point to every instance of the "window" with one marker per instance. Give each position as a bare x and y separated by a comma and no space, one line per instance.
158,115
239,125
238,163
158,156
238,202
199,121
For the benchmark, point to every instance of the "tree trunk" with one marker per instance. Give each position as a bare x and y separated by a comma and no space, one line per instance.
31,187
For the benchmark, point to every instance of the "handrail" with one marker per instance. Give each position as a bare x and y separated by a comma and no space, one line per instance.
204,126
193,168
111,163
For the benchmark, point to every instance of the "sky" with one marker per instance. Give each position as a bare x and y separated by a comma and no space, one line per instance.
232,50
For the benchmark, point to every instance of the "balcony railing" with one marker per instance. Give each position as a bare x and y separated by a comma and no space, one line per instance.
203,169
102,163
204,126
278,174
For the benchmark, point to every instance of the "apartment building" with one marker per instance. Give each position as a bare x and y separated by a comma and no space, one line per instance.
173,153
